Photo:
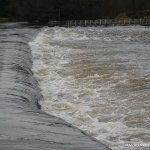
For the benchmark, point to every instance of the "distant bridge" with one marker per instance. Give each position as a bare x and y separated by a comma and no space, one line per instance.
100,22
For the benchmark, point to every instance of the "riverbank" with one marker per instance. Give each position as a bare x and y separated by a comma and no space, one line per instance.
85,23
6,19
23,126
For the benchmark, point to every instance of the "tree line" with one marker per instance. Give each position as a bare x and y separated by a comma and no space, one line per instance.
45,10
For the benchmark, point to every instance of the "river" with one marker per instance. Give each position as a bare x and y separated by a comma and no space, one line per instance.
98,79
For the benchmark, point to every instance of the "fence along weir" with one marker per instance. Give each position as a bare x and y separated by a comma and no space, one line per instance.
101,22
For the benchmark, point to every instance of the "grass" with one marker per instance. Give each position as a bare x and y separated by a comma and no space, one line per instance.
7,19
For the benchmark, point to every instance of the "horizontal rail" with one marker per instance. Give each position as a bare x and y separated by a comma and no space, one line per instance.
108,22
101,22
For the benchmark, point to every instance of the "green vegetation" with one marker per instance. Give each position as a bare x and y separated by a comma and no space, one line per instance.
45,10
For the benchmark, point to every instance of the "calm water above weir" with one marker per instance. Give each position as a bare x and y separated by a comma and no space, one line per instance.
98,79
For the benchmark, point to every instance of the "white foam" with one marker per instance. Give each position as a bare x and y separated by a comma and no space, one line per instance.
90,80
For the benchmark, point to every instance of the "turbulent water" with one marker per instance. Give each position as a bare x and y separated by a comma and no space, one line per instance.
23,126
98,79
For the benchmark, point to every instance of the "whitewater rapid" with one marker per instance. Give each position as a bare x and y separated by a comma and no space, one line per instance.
97,79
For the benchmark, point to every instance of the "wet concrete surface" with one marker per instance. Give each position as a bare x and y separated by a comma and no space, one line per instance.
23,126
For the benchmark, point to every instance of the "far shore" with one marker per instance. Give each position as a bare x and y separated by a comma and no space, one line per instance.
69,23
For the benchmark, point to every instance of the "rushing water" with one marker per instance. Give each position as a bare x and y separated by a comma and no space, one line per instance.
23,126
98,79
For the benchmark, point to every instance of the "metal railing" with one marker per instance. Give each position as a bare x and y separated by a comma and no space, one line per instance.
108,22
100,22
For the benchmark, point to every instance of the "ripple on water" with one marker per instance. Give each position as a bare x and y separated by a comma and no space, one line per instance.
97,79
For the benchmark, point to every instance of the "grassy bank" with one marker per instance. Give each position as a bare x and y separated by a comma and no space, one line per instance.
6,19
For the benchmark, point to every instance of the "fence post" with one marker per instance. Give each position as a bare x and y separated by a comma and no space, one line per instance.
80,22
124,22
105,22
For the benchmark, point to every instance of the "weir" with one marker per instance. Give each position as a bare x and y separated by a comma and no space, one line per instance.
23,126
